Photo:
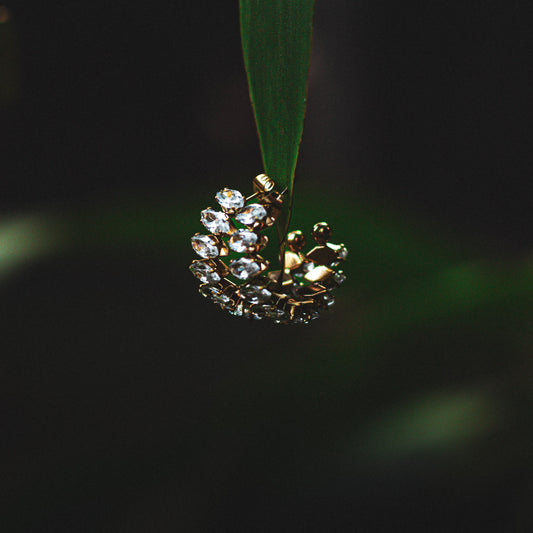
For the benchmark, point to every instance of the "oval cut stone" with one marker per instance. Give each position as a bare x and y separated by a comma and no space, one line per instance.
304,269
205,246
237,311
244,268
328,300
230,198
343,253
215,294
313,315
273,312
205,273
339,277
242,240
299,319
215,221
255,293
250,214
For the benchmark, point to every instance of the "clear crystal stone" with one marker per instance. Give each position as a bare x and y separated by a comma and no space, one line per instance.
237,311
215,221
215,294
255,293
244,268
343,253
205,246
307,267
328,300
273,312
204,272
304,269
339,277
222,298
242,240
300,320
251,213
230,198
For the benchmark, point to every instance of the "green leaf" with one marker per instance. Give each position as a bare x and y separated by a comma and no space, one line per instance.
276,41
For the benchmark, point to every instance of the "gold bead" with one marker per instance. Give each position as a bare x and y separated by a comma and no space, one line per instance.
295,241
263,184
321,232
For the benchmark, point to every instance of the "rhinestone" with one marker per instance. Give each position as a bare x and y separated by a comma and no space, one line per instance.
230,198
244,268
205,292
242,240
204,272
255,294
273,312
328,300
307,267
221,299
215,294
339,277
215,221
304,269
343,253
204,245
237,311
300,320
313,315
251,213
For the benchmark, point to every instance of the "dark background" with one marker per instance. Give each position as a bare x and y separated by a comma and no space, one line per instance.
130,404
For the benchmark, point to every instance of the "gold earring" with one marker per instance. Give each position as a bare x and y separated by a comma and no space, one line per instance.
244,286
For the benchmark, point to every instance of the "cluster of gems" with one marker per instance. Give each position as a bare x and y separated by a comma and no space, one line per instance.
242,284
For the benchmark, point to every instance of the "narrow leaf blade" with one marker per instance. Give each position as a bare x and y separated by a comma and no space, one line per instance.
276,40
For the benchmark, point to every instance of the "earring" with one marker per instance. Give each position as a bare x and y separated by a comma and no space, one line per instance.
242,284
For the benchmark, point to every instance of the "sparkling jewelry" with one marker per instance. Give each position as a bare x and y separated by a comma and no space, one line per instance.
242,283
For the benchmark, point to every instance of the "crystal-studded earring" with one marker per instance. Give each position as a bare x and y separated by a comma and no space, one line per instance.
244,286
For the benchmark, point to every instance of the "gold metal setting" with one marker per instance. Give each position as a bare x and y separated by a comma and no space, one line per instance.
242,284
